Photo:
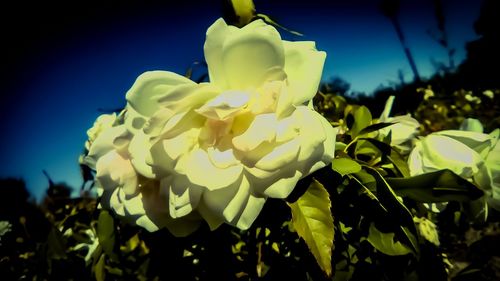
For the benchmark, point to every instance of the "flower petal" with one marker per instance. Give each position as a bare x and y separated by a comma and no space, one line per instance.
225,105
102,123
201,171
441,152
406,128
287,129
489,175
415,163
143,96
214,220
283,185
134,205
216,35
157,122
183,196
103,144
262,129
481,143
304,67
283,155
384,116
312,134
184,227
235,206
166,152
115,203
139,149
214,202
156,205
250,212
145,222
181,144
113,170
257,46
222,158
187,97
125,205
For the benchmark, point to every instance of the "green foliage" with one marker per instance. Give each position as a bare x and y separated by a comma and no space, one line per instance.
397,210
362,118
374,127
438,186
384,242
106,233
363,218
345,166
313,222
442,109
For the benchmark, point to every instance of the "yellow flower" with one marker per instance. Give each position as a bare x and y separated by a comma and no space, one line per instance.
217,150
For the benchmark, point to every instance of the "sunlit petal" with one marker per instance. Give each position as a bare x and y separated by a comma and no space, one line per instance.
304,67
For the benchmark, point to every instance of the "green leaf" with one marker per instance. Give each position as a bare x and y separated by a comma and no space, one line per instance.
396,208
399,163
114,270
366,179
373,209
100,273
313,221
345,166
106,233
340,145
364,148
384,242
375,127
362,119
438,186
384,148
56,245
367,202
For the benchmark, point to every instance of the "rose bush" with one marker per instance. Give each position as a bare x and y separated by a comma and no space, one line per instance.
181,151
470,154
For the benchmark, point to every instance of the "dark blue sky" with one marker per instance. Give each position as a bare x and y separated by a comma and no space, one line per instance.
60,69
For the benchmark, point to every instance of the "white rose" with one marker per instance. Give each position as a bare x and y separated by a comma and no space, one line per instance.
103,122
470,154
126,192
403,131
219,149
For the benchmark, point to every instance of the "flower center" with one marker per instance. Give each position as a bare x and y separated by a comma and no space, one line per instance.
225,106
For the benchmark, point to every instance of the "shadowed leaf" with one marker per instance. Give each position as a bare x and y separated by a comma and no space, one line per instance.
374,127
384,242
397,209
438,186
106,233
